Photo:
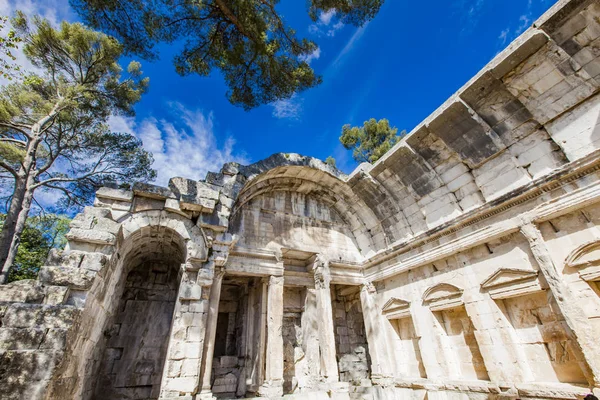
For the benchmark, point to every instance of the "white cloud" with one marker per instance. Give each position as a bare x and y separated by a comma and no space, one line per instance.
184,146
508,34
323,26
504,35
325,17
312,56
523,25
288,109
351,43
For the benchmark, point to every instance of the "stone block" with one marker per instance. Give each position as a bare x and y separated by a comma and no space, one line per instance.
24,291
114,194
74,278
21,338
56,295
36,315
91,236
190,291
182,384
152,191
55,339
228,361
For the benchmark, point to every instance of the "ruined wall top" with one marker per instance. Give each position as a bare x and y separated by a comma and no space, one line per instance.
528,117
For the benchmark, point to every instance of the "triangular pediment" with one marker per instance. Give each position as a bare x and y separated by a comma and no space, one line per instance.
507,276
396,308
394,304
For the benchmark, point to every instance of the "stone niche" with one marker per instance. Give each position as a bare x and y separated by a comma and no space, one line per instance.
228,368
540,332
137,335
457,347
300,340
406,342
352,350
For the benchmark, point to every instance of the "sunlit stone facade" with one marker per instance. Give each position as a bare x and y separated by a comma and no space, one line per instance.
464,264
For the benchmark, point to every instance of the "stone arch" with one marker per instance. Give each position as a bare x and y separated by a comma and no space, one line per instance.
321,185
586,255
442,296
129,311
195,242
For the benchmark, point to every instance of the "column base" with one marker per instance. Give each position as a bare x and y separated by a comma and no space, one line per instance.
337,390
271,389
205,396
382,380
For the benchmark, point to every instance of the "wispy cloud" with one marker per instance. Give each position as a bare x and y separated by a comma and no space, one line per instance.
183,145
312,56
525,20
469,13
289,108
351,43
324,26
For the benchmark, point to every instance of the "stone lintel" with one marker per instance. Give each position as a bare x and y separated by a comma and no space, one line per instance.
114,194
152,191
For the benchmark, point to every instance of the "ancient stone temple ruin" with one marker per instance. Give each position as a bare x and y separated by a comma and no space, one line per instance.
464,264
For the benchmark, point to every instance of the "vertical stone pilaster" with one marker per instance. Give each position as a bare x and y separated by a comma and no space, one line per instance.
324,317
587,351
211,330
181,371
429,345
381,367
273,384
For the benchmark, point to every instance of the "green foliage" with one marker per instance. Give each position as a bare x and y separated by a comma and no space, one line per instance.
330,161
8,43
370,141
354,12
259,55
58,117
41,234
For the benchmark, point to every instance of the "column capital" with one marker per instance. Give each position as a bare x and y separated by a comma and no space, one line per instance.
368,287
275,280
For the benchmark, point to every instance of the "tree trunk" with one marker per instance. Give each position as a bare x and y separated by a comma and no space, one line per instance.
22,195
7,235
16,230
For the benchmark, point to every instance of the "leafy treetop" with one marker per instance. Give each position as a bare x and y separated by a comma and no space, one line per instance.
8,43
370,141
259,55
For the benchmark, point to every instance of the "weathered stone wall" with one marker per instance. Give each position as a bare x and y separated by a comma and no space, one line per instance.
350,337
294,220
464,264
138,334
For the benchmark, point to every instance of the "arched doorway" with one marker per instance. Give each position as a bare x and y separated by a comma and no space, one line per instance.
137,334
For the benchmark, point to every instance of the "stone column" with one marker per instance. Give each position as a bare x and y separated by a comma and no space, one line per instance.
324,318
587,351
273,384
211,330
381,369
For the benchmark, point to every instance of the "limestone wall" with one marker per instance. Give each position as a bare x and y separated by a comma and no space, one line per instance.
464,264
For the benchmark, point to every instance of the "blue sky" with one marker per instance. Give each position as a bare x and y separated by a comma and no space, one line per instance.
401,66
